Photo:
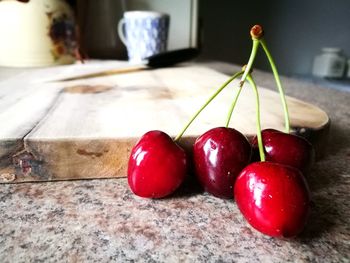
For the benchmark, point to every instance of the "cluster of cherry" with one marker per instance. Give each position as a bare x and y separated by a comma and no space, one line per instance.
272,193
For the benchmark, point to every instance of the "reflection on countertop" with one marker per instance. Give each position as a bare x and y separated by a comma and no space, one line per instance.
342,84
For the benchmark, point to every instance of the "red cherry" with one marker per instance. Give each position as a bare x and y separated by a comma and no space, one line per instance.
274,198
219,156
157,165
286,149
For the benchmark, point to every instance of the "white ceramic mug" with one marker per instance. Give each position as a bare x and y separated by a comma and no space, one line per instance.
144,33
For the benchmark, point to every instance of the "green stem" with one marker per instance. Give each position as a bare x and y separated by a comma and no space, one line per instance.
233,105
250,61
258,127
178,137
279,85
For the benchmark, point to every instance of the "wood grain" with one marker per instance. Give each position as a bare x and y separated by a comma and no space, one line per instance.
86,128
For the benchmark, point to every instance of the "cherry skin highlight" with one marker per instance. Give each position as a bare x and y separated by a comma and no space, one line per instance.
219,156
286,149
157,165
273,198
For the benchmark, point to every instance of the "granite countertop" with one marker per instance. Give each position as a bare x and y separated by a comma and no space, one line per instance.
102,221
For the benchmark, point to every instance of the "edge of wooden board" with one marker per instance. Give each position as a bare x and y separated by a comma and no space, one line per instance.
96,158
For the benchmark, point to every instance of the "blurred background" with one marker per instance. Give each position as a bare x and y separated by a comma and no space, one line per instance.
296,31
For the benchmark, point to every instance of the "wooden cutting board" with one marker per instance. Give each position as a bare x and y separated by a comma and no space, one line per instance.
86,128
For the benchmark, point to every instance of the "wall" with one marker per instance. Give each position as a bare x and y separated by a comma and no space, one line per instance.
99,20
295,30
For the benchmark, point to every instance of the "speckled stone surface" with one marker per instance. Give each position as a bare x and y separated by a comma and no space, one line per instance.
102,221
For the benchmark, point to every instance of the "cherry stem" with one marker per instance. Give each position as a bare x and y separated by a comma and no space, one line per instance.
233,105
250,61
258,126
178,137
279,85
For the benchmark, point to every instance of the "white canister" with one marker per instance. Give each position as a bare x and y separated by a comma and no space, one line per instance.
329,64
36,33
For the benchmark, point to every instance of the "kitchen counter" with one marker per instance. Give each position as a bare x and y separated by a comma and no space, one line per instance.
102,221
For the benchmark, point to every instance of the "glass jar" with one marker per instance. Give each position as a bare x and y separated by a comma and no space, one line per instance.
329,64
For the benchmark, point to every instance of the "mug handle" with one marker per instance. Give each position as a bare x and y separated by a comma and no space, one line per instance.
121,31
